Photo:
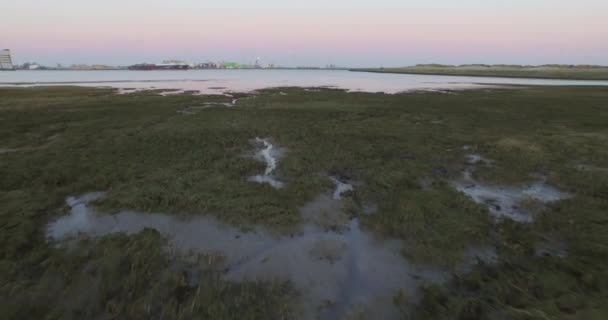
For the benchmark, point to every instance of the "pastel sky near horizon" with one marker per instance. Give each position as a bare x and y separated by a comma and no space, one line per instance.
312,32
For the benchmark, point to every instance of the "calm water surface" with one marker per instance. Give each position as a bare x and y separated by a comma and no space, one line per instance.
221,81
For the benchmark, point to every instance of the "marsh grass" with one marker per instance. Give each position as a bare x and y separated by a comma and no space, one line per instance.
149,157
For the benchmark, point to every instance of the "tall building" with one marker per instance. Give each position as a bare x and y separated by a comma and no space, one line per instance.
6,63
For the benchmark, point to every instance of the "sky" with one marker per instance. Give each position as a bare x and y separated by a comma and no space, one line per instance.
349,33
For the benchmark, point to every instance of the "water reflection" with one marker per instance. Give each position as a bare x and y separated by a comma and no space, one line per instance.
223,81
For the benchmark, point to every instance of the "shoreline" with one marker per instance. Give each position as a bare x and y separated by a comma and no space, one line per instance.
480,73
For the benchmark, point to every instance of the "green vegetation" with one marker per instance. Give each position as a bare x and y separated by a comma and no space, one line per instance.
132,278
401,149
570,72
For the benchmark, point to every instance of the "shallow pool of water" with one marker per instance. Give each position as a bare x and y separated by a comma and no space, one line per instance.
270,155
338,267
505,201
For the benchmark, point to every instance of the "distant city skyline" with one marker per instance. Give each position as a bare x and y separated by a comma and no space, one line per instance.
315,33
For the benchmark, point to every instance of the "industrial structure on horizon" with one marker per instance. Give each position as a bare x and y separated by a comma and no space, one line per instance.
183,65
162,66
6,63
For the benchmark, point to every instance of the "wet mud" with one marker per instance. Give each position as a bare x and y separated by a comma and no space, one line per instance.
270,155
339,269
506,201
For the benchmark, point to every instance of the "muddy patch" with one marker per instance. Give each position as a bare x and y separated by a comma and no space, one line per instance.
230,104
171,92
339,269
126,91
503,201
270,155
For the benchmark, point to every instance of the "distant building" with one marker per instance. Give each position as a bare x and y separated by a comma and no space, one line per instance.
175,62
29,66
90,67
80,67
230,65
206,65
163,66
6,63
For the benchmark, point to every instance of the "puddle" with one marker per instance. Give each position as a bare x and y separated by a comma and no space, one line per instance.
162,92
270,155
130,90
505,202
474,159
339,269
551,247
198,234
221,104
170,92
341,188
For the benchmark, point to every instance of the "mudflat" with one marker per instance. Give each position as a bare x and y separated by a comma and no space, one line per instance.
296,203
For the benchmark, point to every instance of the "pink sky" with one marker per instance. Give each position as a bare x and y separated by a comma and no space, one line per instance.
360,35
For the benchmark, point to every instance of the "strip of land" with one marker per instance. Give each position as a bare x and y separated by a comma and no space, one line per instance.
575,72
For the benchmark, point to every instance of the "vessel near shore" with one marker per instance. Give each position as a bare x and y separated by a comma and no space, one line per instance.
164,66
